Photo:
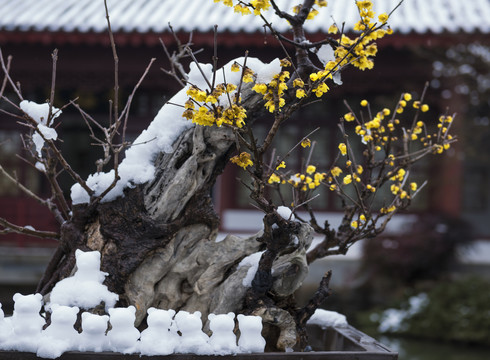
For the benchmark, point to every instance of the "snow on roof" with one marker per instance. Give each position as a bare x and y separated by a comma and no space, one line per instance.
143,16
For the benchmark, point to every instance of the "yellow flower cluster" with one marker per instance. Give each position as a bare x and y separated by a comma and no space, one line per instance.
274,178
244,9
352,176
310,180
398,187
355,224
381,129
260,5
274,91
243,160
318,79
359,51
387,210
203,107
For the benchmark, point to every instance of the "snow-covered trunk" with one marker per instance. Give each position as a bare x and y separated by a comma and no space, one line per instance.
158,241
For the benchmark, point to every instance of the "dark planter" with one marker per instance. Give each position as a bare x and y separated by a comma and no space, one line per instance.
339,343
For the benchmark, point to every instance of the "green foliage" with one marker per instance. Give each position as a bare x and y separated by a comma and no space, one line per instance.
456,311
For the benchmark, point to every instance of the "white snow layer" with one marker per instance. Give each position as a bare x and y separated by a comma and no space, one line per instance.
40,114
252,261
137,166
325,318
285,213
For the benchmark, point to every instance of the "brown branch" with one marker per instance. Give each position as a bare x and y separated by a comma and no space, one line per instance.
7,75
5,78
127,107
53,86
9,227
321,294
116,64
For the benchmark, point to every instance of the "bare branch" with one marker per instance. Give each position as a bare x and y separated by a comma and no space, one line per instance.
53,85
8,227
116,64
6,69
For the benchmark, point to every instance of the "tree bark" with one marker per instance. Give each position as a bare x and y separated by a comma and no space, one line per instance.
158,241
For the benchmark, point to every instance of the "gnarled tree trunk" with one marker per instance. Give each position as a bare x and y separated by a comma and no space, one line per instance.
158,241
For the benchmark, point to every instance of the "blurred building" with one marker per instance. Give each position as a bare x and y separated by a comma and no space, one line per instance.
441,41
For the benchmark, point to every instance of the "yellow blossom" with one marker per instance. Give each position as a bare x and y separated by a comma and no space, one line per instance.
333,29
407,96
359,169
364,103
383,18
413,186
424,108
230,88
260,5
306,143
319,177
354,224
347,179
281,165
274,179
364,4
343,148
312,14
247,78
298,83
388,210
285,63
260,88
349,117
311,169
313,76
370,188
300,93
211,99
189,104
336,171
244,10
321,89
235,67
243,160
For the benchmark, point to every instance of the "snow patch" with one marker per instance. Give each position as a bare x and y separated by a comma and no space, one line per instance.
285,213
253,262
326,318
393,320
325,54
39,112
137,166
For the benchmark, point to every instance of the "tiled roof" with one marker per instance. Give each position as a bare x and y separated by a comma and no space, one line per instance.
413,16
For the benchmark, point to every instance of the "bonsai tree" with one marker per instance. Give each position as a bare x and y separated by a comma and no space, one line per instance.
147,207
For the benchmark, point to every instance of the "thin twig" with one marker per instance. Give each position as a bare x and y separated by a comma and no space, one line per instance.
116,64
9,227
